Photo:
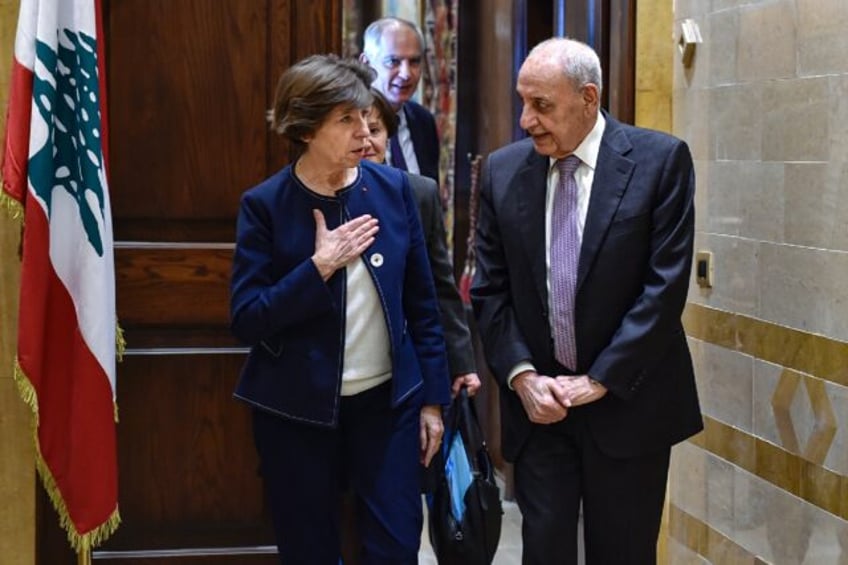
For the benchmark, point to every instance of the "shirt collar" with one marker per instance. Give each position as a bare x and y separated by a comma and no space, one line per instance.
589,148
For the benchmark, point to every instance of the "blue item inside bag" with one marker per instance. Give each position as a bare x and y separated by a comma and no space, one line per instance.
458,474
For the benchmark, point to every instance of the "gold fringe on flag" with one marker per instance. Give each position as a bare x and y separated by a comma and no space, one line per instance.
120,342
14,208
120,348
79,542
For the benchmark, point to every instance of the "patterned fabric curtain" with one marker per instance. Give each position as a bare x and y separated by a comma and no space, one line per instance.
351,33
439,90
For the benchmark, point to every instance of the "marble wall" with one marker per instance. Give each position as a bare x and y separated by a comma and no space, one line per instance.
765,111
17,455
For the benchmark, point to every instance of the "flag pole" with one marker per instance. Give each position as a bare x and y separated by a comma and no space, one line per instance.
84,557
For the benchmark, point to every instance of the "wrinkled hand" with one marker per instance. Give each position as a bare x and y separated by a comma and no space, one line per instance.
431,432
469,380
336,248
541,396
579,390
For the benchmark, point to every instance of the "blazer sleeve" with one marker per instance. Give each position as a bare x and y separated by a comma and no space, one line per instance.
503,341
262,304
451,309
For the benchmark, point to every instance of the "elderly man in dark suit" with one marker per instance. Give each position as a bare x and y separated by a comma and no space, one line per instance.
393,47
584,253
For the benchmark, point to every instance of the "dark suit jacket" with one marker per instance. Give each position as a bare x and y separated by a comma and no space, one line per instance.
632,284
454,323
425,138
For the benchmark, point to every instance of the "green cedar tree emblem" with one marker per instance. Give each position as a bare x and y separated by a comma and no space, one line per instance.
68,101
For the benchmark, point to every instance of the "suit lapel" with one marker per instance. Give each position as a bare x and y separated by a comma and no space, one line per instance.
612,175
415,133
530,188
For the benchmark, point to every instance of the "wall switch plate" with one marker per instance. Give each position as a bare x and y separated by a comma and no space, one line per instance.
704,269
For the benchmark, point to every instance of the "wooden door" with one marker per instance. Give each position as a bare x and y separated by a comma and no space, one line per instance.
189,83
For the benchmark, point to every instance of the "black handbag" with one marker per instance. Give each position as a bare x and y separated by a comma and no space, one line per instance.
465,510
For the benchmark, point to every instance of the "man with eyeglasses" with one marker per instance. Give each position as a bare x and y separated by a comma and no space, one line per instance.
394,48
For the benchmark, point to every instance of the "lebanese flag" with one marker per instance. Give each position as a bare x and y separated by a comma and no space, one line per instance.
54,169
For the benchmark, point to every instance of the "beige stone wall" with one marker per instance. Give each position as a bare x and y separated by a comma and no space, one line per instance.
765,110
17,468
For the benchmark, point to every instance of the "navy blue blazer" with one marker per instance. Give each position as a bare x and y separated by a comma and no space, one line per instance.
632,283
294,321
425,138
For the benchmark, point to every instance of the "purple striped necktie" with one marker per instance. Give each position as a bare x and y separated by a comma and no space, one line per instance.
565,255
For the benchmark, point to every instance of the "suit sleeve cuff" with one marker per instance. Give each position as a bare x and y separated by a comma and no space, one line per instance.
517,370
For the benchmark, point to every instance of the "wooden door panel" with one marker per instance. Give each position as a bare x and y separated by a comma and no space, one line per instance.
174,285
188,466
188,96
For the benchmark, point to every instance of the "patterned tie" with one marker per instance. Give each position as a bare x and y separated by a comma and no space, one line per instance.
565,254
397,154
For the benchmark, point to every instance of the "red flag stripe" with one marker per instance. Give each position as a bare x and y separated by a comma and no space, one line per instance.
16,152
80,451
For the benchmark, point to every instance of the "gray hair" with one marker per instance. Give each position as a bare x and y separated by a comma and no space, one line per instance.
579,62
373,36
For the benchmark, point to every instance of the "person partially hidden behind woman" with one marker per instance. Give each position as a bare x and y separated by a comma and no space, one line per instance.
331,288
383,125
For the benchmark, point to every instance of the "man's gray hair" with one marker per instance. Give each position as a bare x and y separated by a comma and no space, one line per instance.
579,62
373,36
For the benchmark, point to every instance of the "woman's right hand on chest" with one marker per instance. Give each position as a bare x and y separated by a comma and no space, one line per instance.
336,248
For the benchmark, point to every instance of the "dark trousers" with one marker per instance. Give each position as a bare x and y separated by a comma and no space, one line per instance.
374,452
560,467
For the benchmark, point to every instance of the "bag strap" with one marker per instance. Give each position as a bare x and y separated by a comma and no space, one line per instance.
472,434
452,424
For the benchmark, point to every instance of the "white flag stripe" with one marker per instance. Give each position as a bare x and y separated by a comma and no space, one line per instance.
25,35
80,270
